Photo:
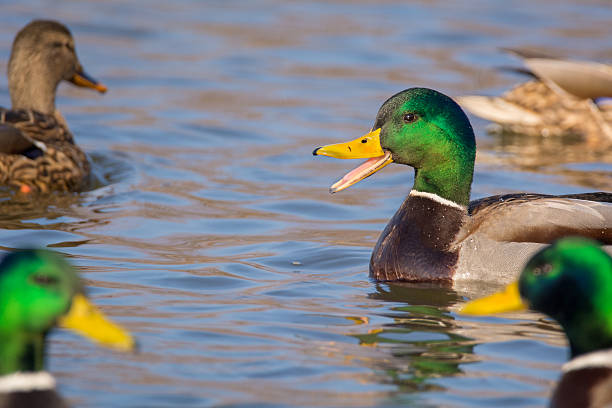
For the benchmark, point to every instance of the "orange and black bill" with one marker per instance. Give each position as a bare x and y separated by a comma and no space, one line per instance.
80,78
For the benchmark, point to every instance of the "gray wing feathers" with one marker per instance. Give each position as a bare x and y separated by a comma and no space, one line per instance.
543,220
504,236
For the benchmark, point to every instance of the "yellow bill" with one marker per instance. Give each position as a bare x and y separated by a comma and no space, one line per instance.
365,147
508,300
85,319
80,78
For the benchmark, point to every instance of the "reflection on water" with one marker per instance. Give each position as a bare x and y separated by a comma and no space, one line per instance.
569,158
420,340
209,231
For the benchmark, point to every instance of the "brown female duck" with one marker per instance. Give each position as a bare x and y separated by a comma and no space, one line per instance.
559,100
37,150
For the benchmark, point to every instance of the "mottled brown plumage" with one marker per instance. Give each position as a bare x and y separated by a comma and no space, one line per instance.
37,150
51,162
559,101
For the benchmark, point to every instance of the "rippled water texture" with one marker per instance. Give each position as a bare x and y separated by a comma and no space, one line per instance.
213,237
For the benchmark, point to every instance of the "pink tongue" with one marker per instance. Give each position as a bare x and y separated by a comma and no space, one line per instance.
357,171
364,170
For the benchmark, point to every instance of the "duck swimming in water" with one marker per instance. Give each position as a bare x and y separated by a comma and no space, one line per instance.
39,290
37,150
570,281
564,97
438,234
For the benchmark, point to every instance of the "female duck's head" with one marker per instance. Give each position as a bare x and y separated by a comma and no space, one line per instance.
43,55
421,128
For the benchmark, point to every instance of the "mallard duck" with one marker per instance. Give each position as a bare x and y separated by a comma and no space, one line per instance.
37,151
559,100
438,234
570,281
38,290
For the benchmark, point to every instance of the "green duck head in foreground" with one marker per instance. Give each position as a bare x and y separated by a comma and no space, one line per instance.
570,281
39,289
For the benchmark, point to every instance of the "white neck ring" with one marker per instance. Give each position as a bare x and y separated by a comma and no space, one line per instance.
437,199
24,382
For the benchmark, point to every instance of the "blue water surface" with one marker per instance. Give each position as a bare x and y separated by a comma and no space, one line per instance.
210,232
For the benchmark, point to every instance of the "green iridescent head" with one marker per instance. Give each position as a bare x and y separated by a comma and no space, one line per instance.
570,281
39,289
421,128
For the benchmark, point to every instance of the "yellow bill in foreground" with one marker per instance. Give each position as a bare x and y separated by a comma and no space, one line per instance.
85,319
507,300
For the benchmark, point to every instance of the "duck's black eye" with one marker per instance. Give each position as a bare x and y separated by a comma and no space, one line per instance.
543,269
410,117
45,280
57,44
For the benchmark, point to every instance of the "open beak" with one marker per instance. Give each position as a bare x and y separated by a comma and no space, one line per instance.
80,78
85,319
508,300
365,147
